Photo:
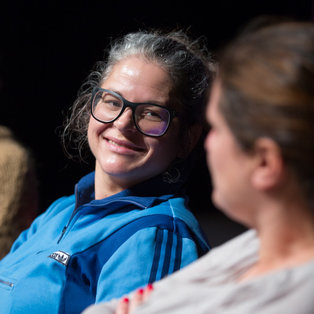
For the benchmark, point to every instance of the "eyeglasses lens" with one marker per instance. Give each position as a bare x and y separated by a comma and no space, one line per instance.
106,107
152,120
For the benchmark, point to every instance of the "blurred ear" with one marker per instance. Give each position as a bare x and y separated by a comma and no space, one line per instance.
269,168
189,140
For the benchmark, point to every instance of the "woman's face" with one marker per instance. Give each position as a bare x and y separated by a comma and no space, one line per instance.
122,153
229,166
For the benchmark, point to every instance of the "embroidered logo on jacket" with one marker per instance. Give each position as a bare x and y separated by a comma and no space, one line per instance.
60,257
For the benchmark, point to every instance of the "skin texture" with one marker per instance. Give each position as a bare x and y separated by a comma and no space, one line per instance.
230,168
123,155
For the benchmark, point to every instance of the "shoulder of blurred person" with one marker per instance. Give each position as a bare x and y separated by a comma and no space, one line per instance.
18,189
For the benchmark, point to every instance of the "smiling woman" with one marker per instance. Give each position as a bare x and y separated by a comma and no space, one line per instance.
140,114
124,155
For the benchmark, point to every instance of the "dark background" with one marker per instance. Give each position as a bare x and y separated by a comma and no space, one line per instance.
49,47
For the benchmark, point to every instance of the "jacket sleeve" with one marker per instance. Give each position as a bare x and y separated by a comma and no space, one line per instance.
148,255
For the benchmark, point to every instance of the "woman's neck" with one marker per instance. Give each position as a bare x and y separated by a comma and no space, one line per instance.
286,233
106,185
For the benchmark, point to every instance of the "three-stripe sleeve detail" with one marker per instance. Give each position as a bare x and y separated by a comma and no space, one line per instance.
167,256
177,263
153,273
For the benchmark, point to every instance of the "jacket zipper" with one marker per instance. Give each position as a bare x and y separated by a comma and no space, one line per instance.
7,283
66,226
76,210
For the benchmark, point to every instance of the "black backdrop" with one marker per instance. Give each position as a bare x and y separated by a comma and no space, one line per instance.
49,47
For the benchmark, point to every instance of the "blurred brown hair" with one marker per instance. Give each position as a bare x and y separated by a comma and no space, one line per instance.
267,79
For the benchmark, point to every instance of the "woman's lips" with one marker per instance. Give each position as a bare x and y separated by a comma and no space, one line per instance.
122,146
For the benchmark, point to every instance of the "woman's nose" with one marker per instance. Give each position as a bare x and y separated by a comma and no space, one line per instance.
125,121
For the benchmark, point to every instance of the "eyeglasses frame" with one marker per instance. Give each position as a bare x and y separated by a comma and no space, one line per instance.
133,106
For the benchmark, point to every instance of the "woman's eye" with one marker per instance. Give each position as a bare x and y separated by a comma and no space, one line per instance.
111,104
151,115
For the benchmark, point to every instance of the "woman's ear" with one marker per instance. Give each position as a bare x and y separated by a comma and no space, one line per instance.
269,167
189,140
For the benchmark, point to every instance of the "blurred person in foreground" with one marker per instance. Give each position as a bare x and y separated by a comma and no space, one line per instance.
18,189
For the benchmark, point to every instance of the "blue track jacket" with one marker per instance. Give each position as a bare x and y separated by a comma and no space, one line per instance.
83,251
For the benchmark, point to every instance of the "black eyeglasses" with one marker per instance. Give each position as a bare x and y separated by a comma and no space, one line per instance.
149,119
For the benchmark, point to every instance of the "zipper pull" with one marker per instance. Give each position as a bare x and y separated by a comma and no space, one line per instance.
62,234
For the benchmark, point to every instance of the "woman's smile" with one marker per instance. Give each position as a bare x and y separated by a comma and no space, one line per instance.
123,147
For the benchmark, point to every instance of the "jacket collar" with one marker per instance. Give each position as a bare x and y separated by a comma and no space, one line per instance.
152,191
